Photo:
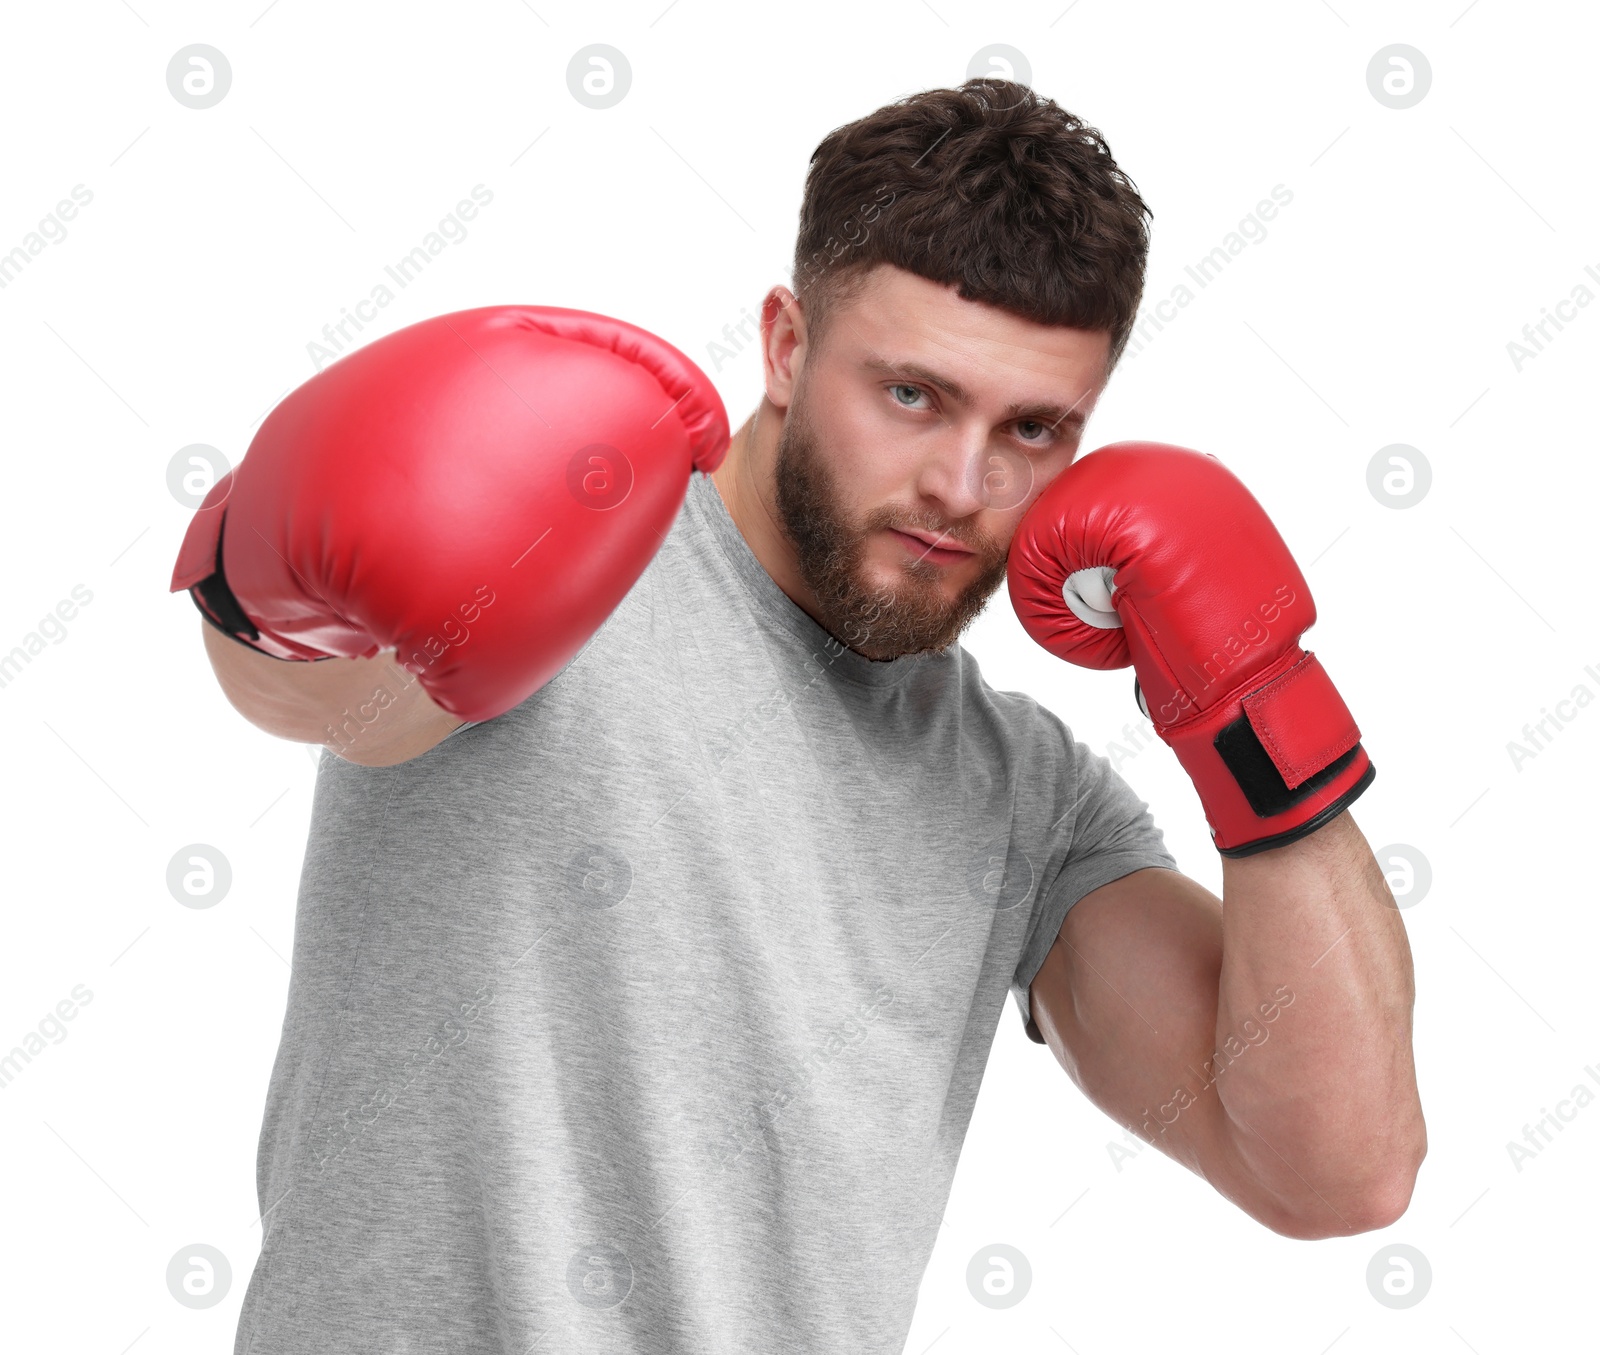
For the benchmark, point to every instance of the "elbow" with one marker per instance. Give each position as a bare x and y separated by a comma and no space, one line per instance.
1388,1199
1378,1200
1366,1213
1379,1206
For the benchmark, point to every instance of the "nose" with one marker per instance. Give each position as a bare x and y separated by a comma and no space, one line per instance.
968,472
955,472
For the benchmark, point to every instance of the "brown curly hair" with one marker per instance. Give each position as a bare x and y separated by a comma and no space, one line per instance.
991,187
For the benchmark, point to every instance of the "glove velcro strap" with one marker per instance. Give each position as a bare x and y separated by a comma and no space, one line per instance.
1295,735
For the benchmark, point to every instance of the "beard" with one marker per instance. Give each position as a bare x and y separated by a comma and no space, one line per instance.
876,621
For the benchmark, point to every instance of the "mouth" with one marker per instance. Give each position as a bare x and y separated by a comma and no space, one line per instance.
925,549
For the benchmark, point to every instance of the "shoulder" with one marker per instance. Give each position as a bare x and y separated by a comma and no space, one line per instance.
1022,715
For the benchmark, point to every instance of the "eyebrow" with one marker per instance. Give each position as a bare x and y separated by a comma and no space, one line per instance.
1044,411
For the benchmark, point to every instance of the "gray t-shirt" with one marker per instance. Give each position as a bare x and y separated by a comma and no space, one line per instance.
650,1016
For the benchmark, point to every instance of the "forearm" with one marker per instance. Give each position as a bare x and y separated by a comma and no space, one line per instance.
1321,1096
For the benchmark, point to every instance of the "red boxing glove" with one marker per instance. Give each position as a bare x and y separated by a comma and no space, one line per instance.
477,492
1158,556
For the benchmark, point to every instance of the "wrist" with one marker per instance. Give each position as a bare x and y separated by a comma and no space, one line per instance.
1274,759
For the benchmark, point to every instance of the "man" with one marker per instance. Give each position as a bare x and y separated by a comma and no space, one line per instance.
663,895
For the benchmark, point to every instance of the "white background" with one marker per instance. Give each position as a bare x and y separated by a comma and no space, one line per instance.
1377,310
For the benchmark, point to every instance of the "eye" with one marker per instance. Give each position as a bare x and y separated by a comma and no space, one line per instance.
1044,430
898,387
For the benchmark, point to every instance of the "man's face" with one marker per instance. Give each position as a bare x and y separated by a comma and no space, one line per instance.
914,440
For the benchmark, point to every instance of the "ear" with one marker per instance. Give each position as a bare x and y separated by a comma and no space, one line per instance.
783,344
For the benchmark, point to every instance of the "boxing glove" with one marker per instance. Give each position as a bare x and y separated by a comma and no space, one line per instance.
476,491
1159,556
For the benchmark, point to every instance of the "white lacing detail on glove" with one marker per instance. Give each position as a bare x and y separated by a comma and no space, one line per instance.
1088,593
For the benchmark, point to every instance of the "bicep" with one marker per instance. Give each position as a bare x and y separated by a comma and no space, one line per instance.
1127,1001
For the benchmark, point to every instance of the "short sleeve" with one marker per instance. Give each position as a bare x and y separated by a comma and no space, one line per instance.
1109,833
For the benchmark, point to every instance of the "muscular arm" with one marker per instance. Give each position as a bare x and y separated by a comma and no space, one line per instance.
1262,1040
369,711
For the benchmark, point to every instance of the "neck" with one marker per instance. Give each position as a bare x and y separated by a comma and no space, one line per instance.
747,482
